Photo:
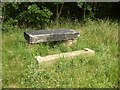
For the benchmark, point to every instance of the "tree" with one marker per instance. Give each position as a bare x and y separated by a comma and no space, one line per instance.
88,8
58,11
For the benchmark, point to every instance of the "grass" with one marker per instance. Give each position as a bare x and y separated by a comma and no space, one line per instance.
21,70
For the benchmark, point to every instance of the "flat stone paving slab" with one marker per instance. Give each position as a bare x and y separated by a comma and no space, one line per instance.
37,36
85,52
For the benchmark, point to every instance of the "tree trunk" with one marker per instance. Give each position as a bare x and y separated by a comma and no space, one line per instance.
84,11
58,12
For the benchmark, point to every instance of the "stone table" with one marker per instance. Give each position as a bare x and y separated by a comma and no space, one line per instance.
37,36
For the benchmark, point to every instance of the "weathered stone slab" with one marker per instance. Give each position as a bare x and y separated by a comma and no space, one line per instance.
84,52
37,36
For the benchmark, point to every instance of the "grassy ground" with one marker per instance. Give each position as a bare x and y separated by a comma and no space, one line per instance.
20,68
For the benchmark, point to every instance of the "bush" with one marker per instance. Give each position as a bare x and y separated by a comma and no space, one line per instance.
10,25
34,16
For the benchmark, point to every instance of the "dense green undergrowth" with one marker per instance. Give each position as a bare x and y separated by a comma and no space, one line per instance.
21,69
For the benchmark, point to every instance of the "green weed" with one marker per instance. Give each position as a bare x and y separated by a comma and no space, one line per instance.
21,69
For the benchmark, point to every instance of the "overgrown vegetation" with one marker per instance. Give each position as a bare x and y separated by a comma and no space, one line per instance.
39,14
21,69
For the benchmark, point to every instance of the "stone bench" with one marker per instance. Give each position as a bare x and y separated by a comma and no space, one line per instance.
37,36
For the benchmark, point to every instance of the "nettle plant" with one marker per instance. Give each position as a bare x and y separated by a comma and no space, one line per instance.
35,16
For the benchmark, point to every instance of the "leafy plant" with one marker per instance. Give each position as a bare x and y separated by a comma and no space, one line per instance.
35,16
87,8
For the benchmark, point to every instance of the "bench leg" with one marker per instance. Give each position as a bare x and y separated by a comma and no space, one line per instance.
70,42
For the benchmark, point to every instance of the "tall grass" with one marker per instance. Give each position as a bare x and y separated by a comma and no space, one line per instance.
21,70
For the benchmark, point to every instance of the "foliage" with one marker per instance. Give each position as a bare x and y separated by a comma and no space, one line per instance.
34,16
39,14
10,25
10,10
21,69
87,7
